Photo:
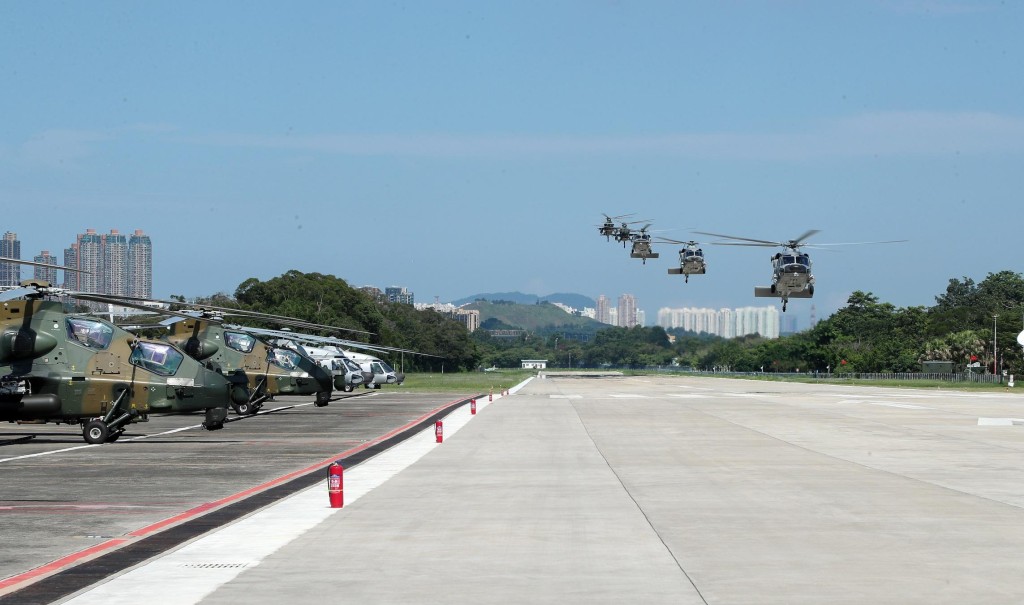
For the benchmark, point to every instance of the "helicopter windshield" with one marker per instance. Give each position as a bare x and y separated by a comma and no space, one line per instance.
89,333
351,365
288,360
239,341
803,259
788,259
157,358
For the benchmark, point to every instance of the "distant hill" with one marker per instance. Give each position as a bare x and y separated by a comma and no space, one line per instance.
577,301
539,318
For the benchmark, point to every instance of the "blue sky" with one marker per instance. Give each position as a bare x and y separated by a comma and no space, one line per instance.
464,147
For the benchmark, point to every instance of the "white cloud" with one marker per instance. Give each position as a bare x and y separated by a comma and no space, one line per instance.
877,134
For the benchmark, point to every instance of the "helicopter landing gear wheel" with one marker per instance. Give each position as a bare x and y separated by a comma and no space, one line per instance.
810,289
322,399
774,289
687,279
348,388
784,305
95,431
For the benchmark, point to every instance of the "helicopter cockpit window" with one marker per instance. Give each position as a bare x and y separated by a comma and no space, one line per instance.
376,368
387,368
288,360
89,333
803,259
239,341
351,365
788,259
157,358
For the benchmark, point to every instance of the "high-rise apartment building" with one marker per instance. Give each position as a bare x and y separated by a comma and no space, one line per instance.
626,315
727,323
140,265
602,313
45,273
395,294
90,261
71,279
10,247
115,263
110,264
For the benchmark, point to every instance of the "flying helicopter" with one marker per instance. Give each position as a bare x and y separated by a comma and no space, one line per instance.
691,259
608,229
791,268
77,369
642,244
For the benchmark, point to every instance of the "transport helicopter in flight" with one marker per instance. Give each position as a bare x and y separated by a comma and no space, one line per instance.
791,268
642,244
691,259
256,369
78,369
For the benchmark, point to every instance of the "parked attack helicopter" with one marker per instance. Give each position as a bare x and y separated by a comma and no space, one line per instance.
376,371
256,369
791,271
76,369
691,259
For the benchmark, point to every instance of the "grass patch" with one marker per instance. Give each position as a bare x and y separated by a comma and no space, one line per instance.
469,383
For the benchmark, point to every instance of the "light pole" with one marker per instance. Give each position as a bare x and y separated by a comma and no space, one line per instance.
995,345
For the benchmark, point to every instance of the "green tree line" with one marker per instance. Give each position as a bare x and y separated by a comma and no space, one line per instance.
866,335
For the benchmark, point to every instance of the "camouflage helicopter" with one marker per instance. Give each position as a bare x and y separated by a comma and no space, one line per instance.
256,369
77,369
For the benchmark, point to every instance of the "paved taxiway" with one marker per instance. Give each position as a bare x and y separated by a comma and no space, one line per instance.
60,495
655,490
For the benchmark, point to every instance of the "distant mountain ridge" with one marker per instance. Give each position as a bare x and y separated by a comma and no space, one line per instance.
577,301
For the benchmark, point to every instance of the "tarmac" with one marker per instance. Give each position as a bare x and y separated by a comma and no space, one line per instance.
645,490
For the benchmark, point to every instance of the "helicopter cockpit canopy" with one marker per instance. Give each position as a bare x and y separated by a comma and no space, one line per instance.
157,358
239,341
288,360
89,332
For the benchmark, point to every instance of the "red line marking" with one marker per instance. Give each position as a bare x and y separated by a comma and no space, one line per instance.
56,565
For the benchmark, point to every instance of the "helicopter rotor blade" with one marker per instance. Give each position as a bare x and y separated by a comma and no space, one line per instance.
796,242
18,261
758,242
891,241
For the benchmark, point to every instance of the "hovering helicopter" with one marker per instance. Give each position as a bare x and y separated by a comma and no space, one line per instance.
608,229
642,244
691,259
791,271
77,369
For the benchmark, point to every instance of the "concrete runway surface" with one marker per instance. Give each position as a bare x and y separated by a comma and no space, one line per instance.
645,490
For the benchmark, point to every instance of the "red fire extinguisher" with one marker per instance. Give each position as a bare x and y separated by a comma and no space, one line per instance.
439,431
472,406
335,485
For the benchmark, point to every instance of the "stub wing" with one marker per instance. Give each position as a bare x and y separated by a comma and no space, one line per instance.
648,255
766,292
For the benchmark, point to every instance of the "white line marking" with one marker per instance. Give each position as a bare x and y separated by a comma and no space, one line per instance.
624,396
566,396
141,437
1000,421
